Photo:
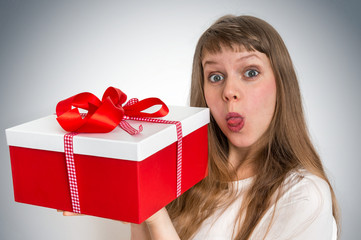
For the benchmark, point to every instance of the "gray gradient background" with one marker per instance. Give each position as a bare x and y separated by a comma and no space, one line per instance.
50,50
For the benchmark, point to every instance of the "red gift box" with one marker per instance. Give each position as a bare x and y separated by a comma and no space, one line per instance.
119,176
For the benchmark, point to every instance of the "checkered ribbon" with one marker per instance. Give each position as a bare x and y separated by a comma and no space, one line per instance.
179,145
69,156
126,127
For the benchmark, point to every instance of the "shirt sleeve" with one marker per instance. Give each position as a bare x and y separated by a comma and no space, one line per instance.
304,211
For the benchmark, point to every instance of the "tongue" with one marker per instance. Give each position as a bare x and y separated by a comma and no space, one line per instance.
234,121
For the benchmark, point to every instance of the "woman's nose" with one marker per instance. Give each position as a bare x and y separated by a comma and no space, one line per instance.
231,91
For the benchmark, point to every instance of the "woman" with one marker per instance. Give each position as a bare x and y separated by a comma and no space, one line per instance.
266,181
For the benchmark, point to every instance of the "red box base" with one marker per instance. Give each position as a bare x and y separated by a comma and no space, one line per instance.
124,190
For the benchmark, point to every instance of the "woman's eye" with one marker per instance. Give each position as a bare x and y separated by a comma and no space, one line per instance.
251,73
216,78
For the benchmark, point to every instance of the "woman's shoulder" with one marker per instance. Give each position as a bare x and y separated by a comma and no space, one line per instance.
301,185
303,209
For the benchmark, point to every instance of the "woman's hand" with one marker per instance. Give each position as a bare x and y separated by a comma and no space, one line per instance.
66,213
160,226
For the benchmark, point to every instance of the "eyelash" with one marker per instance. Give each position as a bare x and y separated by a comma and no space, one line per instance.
214,75
249,70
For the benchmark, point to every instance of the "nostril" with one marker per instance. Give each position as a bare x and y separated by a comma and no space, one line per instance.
231,98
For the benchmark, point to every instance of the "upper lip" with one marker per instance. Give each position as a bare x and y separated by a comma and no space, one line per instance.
233,115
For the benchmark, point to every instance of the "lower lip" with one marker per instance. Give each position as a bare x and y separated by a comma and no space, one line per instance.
235,124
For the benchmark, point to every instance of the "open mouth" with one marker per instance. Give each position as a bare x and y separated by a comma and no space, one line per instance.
235,121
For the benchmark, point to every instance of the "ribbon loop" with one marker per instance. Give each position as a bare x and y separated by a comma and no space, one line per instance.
115,95
136,109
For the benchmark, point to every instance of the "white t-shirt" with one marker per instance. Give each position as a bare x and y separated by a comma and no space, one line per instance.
304,211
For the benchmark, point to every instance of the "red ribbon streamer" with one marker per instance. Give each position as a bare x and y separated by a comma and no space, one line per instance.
103,116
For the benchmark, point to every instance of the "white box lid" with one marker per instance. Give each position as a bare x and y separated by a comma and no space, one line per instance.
46,134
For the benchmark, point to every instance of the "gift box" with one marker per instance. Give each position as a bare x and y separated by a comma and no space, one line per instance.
119,176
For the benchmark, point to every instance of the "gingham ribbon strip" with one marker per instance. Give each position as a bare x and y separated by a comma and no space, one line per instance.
179,145
69,156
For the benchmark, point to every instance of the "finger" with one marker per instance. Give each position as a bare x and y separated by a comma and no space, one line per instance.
65,213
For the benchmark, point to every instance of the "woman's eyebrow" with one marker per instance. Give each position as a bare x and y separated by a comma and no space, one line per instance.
248,57
241,59
209,63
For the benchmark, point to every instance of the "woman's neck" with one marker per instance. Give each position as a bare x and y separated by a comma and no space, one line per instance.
238,158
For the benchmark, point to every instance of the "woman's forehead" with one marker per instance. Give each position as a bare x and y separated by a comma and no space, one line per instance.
221,47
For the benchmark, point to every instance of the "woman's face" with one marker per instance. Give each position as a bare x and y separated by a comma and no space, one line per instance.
240,90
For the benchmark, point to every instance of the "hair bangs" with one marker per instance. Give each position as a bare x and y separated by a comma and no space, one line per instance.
214,41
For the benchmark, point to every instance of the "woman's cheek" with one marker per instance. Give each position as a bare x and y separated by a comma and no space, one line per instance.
264,98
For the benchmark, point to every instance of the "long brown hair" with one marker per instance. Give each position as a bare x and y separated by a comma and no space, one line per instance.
284,147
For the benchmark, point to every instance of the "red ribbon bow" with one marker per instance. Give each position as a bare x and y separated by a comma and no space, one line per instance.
103,116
